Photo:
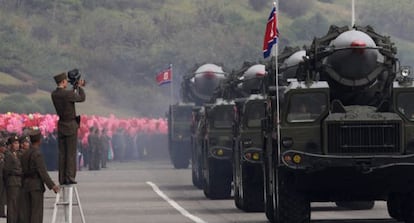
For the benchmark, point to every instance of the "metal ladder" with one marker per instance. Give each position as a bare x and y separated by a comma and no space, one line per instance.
67,203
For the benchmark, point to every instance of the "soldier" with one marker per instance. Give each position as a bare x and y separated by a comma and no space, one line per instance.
13,176
34,177
91,148
3,147
105,147
24,143
68,124
98,150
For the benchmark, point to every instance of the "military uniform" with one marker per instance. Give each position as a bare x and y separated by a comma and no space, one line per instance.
68,124
105,148
13,175
34,177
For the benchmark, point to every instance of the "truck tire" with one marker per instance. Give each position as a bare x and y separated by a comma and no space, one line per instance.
293,206
394,206
356,205
216,185
179,162
407,208
253,195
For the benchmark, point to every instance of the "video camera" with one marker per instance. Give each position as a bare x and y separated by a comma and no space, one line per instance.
73,77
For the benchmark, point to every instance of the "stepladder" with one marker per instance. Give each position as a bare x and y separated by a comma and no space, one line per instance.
65,201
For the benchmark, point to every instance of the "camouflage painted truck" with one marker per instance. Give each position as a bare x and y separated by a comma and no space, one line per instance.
343,131
197,87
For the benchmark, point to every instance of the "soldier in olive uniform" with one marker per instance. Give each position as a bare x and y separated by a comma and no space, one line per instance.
3,147
105,147
13,176
34,177
64,102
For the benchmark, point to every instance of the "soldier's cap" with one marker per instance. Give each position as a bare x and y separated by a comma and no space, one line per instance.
35,135
3,142
24,138
60,77
13,138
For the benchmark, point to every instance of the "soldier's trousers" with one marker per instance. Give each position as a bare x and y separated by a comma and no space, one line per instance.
34,206
13,193
67,157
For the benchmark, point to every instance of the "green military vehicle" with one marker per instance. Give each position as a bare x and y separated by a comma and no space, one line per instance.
247,153
179,121
247,132
343,131
216,150
197,88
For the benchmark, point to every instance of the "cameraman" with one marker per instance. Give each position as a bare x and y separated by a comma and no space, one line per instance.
64,101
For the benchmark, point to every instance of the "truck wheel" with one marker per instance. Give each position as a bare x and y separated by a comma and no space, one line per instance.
407,208
196,180
356,205
253,195
180,162
293,206
216,185
394,206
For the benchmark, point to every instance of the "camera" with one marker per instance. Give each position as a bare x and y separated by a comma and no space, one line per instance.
73,77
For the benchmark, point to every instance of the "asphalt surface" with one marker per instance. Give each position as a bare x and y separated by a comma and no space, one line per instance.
153,191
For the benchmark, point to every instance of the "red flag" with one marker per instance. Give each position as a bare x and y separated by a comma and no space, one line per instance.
271,34
164,77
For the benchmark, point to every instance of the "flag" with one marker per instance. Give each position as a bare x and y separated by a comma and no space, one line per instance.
164,77
271,34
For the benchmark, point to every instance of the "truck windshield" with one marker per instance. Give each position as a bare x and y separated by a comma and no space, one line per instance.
254,114
306,107
223,118
182,115
405,105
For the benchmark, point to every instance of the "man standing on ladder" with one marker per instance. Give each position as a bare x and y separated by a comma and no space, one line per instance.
34,177
68,124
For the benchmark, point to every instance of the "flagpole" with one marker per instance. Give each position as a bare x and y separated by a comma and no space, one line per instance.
171,86
171,101
353,13
276,52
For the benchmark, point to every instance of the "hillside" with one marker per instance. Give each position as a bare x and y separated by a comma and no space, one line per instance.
121,45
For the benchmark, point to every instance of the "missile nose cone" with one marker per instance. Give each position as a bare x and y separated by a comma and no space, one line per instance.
209,74
359,43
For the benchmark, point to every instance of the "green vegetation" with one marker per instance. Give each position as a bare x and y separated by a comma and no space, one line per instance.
120,45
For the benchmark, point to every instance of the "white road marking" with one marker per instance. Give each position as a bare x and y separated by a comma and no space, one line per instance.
175,205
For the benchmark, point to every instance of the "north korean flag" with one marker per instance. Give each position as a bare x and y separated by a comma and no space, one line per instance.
164,77
271,34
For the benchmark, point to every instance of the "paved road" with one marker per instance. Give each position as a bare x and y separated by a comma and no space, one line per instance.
152,191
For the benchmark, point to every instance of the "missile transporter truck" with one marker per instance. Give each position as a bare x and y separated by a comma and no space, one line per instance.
342,131
197,87
217,148
247,132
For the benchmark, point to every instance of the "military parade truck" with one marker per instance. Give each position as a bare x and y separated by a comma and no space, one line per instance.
179,121
247,132
196,88
216,151
199,87
343,131
247,153
217,155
